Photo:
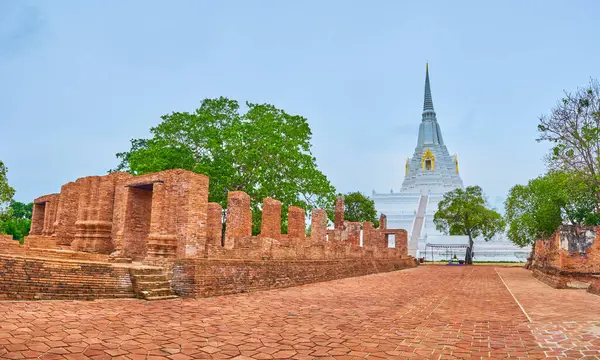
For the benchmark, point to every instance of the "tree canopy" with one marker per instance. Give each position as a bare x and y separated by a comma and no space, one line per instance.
466,212
6,191
265,152
359,208
573,127
534,211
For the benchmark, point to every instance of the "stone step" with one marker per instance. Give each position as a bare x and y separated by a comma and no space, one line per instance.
166,297
157,292
147,271
61,296
150,278
152,285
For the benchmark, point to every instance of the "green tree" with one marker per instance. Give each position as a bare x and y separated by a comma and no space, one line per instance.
466,212
359,208
6,191
21,210
534,211
265,152
573,127
16,220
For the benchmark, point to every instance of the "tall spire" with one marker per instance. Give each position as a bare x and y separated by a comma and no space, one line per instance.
428,102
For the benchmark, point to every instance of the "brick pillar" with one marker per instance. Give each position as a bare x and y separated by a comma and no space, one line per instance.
339,213
94,215
161,243
318,225
383,222
296,222
196,199
368,232
37,219
214,224
271,219
354,233
66,214
239,217
50,216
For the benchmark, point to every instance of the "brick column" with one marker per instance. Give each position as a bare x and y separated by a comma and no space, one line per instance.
50,216
66,214
214,224
239,217
94,215
318,225
37,219
354,233
296,222
271,219
339,213
368,232
383,222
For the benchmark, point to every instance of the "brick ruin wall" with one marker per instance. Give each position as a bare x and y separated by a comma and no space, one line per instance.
165,219
571,254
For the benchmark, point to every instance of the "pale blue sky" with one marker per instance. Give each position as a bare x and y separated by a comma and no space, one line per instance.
79,79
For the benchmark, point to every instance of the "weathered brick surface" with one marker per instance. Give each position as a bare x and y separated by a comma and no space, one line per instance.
164,219
338,222
32,278
66,213
95,214
432,312
239,218
222,277
7,240
383,221
571,254
271,219
318,226
296,222
137,215
214,224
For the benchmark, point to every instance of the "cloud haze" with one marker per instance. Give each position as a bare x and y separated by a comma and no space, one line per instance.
80,79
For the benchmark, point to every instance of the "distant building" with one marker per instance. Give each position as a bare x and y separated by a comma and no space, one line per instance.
428,175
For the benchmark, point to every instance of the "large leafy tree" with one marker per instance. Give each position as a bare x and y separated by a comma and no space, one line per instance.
6,191
534,211
264,151
16,220
359,208
466,212
573,127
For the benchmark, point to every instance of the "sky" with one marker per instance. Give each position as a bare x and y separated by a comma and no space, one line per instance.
79,79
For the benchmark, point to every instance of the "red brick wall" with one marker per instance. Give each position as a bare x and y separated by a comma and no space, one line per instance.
239,217
95,214
222,277
318,226
271,219
296,223
66,213
37,218
137,223
214,224
569,255
33,279
338,221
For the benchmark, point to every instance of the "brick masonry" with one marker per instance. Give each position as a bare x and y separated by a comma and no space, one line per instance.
572,254
164,219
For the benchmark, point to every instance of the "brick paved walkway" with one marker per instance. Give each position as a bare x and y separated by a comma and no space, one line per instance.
430,312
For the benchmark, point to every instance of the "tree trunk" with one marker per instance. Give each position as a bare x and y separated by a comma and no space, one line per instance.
529,261
469,257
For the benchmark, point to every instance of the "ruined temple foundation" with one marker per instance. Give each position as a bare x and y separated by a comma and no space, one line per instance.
128,229
569,259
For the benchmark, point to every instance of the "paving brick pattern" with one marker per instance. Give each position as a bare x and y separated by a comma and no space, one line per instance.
430,312
566,323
